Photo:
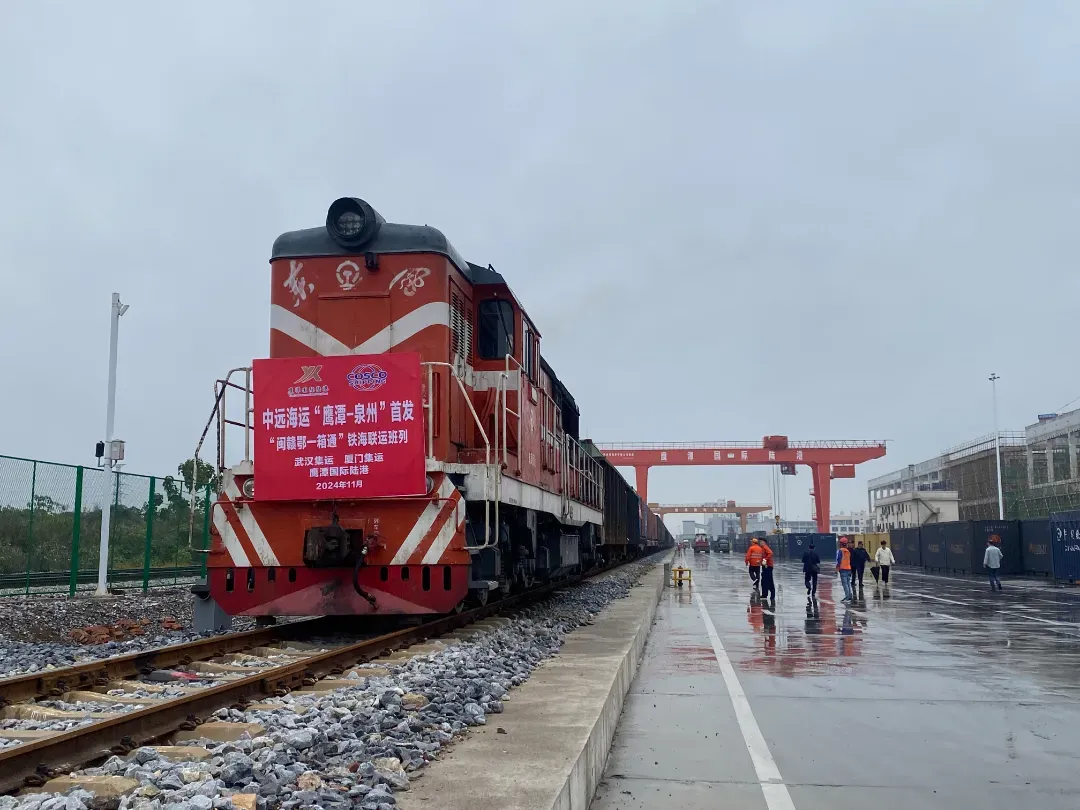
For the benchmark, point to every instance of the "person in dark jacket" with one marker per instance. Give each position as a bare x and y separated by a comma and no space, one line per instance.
859,558
768,585
811,566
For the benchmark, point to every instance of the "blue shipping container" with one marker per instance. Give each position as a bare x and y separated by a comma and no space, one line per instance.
932,546
1065,548
1035,546
824,545
906,546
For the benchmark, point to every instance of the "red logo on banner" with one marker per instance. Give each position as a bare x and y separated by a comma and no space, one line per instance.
363,438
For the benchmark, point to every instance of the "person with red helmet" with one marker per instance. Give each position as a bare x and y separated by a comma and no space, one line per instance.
992,562
843,565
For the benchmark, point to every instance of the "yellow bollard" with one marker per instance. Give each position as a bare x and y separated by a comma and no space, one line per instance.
679,575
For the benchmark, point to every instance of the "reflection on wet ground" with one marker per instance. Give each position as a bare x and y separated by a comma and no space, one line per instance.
929,692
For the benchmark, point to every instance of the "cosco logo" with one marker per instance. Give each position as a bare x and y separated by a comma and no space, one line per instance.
366,377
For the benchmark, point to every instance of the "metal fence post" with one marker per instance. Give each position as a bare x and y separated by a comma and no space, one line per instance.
76,530
206,529
30,527
150,509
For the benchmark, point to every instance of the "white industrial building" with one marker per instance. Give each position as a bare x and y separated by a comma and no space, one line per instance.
916,508
1051,449
842,523
959,484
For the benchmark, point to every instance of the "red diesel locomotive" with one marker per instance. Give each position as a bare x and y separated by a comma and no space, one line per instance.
511,497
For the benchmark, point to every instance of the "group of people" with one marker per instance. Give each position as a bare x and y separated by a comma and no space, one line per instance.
850,563
759,560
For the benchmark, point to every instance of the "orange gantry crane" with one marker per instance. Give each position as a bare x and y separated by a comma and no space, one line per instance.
826,459
718,508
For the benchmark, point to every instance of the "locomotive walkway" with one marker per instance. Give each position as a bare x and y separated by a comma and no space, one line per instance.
934,694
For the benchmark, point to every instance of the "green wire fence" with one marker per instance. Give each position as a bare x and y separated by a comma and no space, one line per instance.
50,528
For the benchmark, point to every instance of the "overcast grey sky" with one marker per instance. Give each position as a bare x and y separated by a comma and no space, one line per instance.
728,219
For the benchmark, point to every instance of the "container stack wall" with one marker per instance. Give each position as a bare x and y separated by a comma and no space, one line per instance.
1035,546
932,546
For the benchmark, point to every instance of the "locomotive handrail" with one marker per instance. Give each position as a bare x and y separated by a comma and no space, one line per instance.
504,382
430,406
569,465
218,411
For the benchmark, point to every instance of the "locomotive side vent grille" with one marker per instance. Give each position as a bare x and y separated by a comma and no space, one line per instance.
460,329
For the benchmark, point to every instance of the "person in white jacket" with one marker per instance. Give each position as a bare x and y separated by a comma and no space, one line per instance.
992,562
884,558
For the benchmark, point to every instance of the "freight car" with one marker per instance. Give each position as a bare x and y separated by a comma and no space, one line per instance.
620,535
406,446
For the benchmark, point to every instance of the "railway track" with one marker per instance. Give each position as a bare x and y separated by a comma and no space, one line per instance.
249,668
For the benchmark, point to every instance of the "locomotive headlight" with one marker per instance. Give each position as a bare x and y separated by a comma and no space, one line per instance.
249,488
430,484
351,222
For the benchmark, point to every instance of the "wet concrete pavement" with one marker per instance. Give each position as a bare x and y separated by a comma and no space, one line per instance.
931,693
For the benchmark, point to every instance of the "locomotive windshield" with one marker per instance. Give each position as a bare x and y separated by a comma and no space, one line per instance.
496,322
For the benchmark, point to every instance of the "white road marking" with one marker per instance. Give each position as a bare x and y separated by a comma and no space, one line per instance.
1026,618
772,785
935,598
945,616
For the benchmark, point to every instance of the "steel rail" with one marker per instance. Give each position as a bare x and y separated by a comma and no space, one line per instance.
53,683
34,762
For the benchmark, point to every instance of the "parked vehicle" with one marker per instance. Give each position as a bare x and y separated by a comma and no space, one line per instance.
722,544
701,544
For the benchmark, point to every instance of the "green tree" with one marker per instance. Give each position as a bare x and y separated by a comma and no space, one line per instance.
188,471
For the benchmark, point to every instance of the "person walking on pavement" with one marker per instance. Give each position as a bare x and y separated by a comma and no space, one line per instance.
753,558
992,563
811,566
768,585
843,565
884,558
859,558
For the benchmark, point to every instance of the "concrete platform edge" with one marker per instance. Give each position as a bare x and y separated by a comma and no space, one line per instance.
588,768
560,724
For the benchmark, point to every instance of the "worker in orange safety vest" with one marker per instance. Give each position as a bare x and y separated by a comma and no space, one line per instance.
754,556
843,565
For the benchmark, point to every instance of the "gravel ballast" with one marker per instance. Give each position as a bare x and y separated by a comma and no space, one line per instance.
355,747
52,618
35,631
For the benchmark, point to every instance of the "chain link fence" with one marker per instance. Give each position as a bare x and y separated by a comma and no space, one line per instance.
50,528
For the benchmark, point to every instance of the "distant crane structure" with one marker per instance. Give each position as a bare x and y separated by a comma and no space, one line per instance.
718,508
826,459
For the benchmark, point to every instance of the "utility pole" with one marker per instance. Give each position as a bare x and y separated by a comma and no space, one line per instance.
997,447
112,453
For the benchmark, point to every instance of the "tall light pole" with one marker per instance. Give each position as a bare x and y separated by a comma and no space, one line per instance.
110,455
997,447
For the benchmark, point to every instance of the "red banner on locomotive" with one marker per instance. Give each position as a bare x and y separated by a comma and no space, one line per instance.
344,427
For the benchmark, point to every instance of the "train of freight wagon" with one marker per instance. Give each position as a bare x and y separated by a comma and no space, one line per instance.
407,448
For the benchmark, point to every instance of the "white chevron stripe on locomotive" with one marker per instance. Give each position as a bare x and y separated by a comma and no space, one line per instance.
251,528
231,539
228,537
437,313
452,526
425,522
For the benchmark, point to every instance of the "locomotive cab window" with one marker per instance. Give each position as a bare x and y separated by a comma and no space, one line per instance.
530,354
496,329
